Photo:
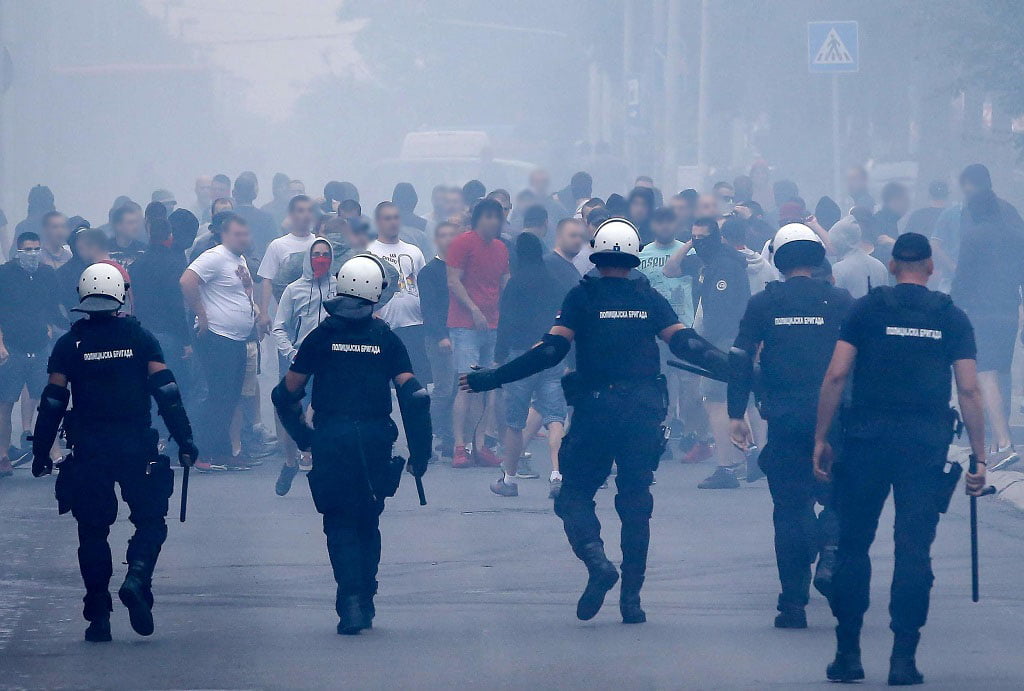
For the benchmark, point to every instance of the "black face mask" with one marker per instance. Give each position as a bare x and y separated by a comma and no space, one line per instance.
706,247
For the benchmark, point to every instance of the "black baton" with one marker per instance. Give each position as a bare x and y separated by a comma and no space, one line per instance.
419,491
184,494
973,468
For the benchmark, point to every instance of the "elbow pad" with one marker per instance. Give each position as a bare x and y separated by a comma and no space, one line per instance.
688,345
289,410
414,402
551,350
164,389
741,382
53,403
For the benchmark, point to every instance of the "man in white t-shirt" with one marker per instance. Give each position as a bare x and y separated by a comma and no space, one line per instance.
402,313
299,239
218,289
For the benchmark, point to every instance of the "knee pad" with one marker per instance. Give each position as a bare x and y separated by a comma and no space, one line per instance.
634,505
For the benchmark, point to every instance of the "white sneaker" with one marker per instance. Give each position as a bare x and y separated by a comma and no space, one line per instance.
1003,458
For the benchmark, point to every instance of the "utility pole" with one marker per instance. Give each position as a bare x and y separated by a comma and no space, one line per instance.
670,121
702,88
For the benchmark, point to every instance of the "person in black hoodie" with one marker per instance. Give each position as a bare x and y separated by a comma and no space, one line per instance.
986,285
28,316
723,290
405,198
531,301
157,299
641,206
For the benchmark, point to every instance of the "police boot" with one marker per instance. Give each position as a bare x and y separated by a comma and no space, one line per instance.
902,668
135,594
97,613
824,570
603,577
352,618
99,631
846,667
791,618
629,603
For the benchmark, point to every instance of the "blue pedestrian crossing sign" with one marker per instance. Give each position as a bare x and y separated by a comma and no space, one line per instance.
832,47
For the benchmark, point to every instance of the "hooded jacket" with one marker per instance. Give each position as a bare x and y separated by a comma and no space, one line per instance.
301,308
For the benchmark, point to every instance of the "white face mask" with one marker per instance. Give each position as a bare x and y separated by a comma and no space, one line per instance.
28,260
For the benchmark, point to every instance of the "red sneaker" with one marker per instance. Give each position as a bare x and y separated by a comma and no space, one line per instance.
485,457
461,459
203,466
698,453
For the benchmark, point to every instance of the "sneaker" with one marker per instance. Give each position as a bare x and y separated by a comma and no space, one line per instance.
698,453
722,478
555,487
284,479
203,466
485,457
6,469
526,471
505,489
262,434
1003,458
240,462
461,459
306,462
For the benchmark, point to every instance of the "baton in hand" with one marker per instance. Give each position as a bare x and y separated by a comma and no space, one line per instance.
419,491
184,493
973,468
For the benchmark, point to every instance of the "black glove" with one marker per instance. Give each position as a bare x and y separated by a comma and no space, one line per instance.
483,380
187,454
41,465
418,466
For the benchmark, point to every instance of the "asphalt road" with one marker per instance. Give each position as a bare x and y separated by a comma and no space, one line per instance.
477,591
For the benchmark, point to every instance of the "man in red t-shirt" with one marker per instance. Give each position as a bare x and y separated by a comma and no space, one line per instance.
477,271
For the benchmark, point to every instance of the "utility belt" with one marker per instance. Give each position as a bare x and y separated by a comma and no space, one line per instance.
578,389
934,428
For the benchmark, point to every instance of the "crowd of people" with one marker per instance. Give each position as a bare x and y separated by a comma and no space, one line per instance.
473,282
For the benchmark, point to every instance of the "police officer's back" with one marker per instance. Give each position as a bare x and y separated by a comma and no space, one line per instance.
900,344
794,326
354,359
619,401
112,366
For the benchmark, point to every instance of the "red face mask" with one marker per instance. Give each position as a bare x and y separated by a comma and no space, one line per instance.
321,265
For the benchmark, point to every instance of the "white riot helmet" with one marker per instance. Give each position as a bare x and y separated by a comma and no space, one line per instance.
616,242
362,276
796,245
101,288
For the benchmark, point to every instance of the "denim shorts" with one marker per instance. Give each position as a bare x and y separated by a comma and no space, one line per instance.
472,348
542,390
22,370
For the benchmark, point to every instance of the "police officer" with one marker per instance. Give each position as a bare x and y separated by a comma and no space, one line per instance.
353,359
795,325
899,343
112,366
620,401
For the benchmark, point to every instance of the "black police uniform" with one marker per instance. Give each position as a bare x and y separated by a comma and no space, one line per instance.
618,410
106,361
352,362
797,321
898,428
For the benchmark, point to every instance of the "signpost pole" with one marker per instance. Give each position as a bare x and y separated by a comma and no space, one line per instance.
835,139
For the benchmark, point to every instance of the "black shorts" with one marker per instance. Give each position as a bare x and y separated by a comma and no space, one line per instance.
996,338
